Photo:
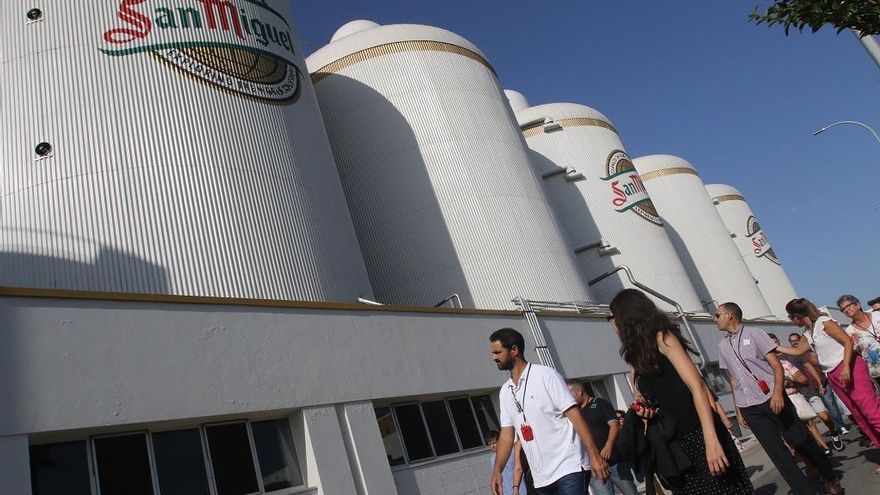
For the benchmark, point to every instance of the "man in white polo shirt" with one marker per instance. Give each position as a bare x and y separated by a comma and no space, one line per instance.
537,406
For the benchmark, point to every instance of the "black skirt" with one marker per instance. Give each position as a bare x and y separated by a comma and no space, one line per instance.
698,481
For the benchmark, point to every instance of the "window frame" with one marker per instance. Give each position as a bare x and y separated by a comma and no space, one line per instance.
92,460
93,456
407,462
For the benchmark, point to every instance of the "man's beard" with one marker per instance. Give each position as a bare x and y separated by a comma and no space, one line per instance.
506,365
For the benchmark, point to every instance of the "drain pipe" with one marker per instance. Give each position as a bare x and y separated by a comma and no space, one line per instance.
541,348
681,313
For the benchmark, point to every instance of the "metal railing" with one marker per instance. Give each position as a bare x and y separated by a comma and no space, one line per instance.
682,315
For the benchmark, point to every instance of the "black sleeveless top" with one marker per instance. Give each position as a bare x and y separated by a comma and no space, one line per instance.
666,390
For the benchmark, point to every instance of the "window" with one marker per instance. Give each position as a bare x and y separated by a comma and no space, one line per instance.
61,468
420,431
232,459
412,427
180,463
717,379
465,424
123,465
390,436
279,466
239,458
440,427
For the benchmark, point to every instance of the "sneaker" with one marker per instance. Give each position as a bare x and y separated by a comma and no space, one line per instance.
836,443
844,431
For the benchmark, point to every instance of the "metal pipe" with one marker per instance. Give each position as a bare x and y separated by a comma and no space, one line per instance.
456,301
367,301
681,313
851,122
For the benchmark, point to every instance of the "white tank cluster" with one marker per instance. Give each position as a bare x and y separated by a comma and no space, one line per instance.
754,247
176,149
703,242
437,176
188,148
601,201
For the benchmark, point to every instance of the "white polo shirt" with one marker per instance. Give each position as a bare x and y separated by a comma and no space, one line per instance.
556,449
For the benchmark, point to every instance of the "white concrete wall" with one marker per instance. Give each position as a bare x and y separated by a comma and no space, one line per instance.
460,475
74,368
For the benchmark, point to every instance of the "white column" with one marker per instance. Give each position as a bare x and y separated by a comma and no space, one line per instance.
327,465
15,468
372,473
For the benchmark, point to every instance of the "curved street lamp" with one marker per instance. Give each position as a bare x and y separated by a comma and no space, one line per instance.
852,122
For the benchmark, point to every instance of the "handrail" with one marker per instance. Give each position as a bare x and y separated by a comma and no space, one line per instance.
541,347
681,312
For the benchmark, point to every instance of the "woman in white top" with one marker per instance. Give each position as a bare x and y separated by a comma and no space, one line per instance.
846,370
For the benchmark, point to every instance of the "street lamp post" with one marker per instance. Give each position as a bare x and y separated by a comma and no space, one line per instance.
851,122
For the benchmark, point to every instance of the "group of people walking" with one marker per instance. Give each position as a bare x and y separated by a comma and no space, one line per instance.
571,440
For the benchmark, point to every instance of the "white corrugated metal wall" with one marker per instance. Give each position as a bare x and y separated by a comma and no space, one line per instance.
436,172
753,245
161,181
601,203
698,233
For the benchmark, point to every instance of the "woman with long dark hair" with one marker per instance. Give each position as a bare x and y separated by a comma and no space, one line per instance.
671,385
846,370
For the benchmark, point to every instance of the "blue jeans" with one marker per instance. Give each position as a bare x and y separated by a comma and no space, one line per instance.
621,477
831,403
570,484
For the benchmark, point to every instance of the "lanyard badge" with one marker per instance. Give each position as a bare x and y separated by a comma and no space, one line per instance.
525,429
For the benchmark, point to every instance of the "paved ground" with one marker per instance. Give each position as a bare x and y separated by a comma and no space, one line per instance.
855,464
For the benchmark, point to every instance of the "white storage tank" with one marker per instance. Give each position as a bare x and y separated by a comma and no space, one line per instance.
167,149
754,247
703,242
601,201
436,173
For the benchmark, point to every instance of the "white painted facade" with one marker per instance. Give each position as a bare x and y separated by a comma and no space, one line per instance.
753,245
609,218
79,366
159,180
703,242
436,173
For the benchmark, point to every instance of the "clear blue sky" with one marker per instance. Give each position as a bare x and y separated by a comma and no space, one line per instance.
696,79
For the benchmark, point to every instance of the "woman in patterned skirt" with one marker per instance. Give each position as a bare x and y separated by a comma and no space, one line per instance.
669,384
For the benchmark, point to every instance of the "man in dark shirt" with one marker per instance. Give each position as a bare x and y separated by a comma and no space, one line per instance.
604,427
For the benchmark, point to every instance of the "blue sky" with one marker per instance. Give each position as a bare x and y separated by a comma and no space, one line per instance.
696,79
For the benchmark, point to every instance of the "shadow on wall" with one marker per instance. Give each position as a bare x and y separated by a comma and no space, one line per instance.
574,216
109,271
690,267
410,255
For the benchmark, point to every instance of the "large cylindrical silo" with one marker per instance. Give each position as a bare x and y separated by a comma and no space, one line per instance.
601,202
754,247
702,240
169,149
435,171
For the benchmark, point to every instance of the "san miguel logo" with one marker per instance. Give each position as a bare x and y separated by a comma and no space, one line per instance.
627,190
240,45
758,240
